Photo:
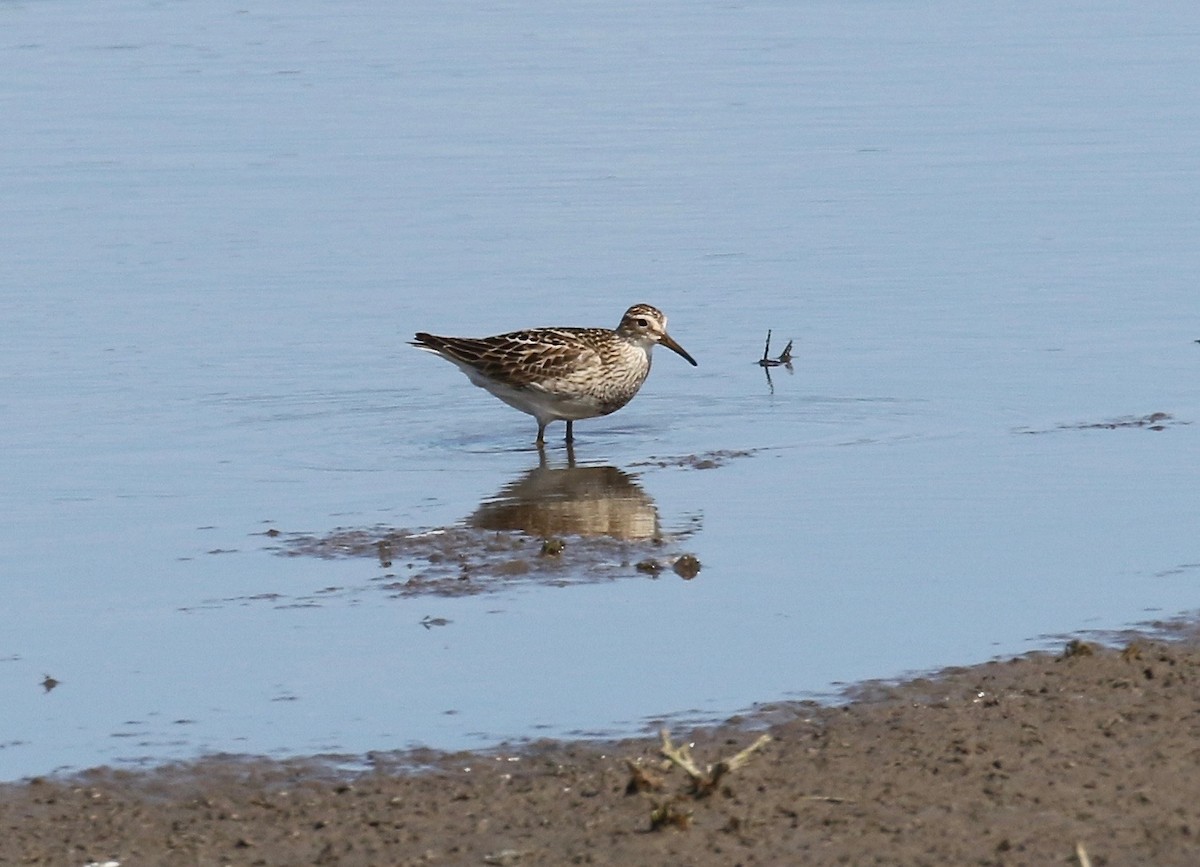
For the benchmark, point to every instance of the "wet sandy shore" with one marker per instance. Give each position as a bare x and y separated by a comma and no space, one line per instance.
1090,756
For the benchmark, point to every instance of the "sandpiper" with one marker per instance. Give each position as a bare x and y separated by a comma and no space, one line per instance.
561,373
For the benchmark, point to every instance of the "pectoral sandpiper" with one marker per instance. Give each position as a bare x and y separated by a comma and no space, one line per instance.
561,373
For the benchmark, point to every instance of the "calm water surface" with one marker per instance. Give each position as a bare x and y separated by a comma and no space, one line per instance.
222,224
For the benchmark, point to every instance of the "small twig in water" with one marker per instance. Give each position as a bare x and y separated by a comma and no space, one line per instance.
784,359
767,362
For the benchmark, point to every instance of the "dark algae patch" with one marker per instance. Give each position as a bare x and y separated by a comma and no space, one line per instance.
455,561
1155,421
702,461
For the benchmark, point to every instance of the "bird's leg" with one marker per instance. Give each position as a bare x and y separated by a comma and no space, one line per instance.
570,432
541,439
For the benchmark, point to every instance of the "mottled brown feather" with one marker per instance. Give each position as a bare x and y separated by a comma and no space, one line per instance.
545,353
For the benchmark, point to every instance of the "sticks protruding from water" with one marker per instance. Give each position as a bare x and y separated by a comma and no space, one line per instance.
784,359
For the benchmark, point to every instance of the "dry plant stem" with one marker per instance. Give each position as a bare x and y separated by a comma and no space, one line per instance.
704,781
681,756
1082,855
736,761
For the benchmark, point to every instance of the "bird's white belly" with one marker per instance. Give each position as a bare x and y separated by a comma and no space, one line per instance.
543,405
562,401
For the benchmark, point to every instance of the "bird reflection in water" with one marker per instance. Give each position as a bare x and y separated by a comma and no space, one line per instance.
518,536
571,501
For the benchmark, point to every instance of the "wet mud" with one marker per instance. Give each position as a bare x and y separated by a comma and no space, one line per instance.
1086,756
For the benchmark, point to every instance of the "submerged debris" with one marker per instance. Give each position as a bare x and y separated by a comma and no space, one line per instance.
703,461
1155,421
463,561
687,567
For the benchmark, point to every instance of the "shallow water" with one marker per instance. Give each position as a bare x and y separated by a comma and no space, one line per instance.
223,224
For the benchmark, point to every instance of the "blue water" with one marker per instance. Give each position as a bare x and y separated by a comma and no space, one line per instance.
222,224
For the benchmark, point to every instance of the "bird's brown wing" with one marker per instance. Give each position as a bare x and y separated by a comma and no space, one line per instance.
519,358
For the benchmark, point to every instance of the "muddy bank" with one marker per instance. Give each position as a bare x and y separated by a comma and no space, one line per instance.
1012,762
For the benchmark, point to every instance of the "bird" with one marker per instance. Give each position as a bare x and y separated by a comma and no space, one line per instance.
563,374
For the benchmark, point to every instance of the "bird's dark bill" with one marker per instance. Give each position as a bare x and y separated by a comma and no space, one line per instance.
675,347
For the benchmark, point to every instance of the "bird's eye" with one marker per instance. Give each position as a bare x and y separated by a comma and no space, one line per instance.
642,323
